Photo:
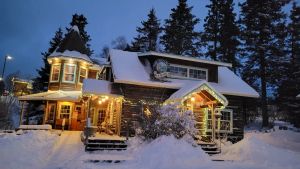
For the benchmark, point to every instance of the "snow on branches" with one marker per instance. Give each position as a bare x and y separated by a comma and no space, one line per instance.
166,120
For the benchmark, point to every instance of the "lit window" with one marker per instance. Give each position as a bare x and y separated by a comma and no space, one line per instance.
65,111
55,73
197,74
69,73
177,71
82,74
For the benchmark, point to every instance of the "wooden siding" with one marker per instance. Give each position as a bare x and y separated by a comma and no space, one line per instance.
132,107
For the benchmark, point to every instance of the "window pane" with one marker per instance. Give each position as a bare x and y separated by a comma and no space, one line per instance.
65,111
69,73
82,74
55,72
178,71
197,74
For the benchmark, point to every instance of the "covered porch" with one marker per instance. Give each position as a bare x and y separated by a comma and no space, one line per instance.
103,108
208,107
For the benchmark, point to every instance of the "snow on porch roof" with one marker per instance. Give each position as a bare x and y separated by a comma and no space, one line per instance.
197,86
53,95
128,69
97,87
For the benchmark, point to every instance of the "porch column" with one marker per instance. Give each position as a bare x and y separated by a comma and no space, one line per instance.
213,121
46,112
22,113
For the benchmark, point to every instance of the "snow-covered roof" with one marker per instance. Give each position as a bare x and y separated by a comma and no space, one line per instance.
70,54
187,58
53,95
127,68
96,87
193,86
298,95
100,60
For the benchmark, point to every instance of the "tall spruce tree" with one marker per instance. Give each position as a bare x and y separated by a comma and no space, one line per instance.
179,34
41,82
147,38
221,33
262,27
81,21
290,86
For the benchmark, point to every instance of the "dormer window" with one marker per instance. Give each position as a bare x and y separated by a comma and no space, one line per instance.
69,73
55,71
179,71
82,74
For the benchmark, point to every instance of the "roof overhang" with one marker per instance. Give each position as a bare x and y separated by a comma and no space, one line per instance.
186,58
53,96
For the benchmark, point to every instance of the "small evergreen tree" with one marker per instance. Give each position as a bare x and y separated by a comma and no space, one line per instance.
81,21
221,33
41,82
262,27
179,34
147,37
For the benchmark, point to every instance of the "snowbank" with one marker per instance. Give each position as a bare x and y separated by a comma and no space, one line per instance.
167,152
27,151
255,150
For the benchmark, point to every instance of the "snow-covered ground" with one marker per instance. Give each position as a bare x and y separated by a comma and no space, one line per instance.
51,150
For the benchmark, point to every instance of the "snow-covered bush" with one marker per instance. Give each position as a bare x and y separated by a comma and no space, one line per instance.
167,120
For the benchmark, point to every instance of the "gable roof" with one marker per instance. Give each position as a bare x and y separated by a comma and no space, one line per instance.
128,69
197,86
72,46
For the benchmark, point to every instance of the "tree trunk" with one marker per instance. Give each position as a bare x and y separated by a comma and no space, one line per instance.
265,116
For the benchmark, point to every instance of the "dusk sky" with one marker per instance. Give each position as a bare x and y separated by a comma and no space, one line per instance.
27,26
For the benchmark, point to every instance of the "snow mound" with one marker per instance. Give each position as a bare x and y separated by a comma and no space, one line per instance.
254,150
169,152
26,151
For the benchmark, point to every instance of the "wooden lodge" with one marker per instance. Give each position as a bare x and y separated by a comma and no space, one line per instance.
111,93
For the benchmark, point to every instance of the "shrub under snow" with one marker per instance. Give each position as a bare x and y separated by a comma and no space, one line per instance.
167,120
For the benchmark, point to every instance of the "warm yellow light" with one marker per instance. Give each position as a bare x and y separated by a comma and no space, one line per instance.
106,97
100,102
193,99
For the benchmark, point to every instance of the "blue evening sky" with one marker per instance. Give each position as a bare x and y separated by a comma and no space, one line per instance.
27,26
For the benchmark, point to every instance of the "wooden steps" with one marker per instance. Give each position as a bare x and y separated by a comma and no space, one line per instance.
210,148
100,144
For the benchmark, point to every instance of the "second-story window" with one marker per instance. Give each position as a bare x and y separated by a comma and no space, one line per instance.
82,74
55,71
198,74
177,71
69,73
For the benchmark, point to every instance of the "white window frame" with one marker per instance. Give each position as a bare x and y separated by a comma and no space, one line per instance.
69,64
188,72
219,121
58,64
65,104
79,75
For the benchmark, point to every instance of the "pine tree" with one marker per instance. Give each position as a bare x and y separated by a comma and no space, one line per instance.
41,82
290,86
221,33
81,21
179,34
147,37
262,27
